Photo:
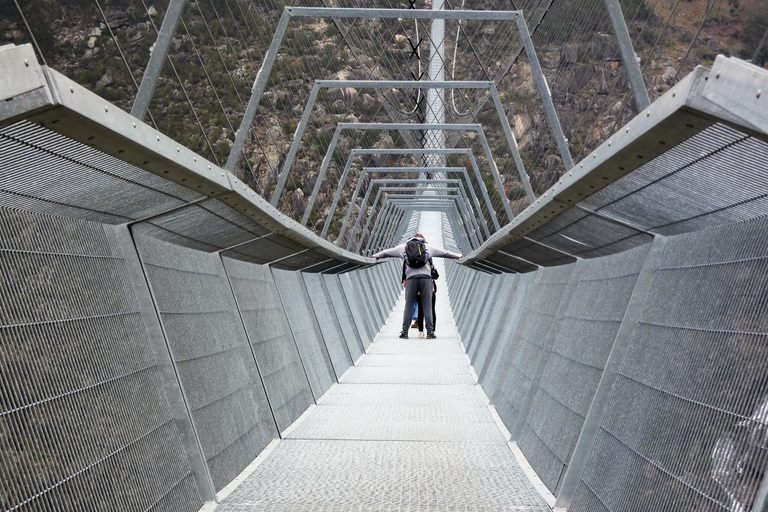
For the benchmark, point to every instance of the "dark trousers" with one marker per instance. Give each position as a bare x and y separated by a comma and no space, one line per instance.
420,316
413,286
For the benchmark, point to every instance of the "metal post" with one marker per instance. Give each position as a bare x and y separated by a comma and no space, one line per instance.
512,143
360,216
628,55
256,91
495,173
157,59
389,235
546,97
484,191
337,196
295,148
385,209
602,396
352,203
166,366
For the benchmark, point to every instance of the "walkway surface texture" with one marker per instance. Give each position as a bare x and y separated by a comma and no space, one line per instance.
406,429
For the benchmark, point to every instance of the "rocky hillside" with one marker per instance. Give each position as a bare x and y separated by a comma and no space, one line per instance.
217,51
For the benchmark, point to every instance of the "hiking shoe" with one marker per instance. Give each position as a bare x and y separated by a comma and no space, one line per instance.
431,336
404,335
421,334
415,325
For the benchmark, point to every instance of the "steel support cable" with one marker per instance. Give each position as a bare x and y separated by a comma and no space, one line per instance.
181,84
760,46
356,136
600,25
516,54
29,32
418,57
208,78
216,46
625,98
258,142
647,60
610,92
695,37
474,53
213,88
402,75
122,56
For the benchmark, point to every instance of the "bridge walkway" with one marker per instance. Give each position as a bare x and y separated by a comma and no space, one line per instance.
406,428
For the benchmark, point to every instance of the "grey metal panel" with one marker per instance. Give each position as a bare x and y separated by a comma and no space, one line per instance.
660,171
487,298
325,313
493,379
689,398
167,370
527,344
473,307
363,294
85,420
602,396
65,177
357,308
209,345
576,360
495,316
373,288
306,331
270,335
500,317
352,336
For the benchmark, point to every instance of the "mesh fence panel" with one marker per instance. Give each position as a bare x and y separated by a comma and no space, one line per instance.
686,425
576,361
209,344
85,424
270,336
528,343
306,331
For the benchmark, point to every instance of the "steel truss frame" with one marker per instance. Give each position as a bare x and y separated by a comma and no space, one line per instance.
365,170
400,84
465,212
416,151
262,77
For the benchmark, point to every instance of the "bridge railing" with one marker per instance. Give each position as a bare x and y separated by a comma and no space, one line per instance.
157,330
628,359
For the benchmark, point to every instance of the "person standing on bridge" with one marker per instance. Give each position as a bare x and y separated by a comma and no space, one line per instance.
416,252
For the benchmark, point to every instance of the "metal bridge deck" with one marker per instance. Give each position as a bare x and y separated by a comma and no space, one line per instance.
406,429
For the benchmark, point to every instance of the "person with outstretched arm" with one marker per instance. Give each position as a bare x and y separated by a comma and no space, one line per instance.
416,252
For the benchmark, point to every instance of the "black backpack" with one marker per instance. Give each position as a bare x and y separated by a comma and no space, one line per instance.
416,253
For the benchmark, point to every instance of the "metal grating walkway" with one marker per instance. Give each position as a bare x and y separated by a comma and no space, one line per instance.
406,429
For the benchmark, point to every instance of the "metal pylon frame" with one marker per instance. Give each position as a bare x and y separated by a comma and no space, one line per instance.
477,128
468,218
408,151
406,84
366,170
420,14
420,170
422,198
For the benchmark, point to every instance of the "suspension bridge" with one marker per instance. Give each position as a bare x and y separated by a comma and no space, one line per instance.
191,319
